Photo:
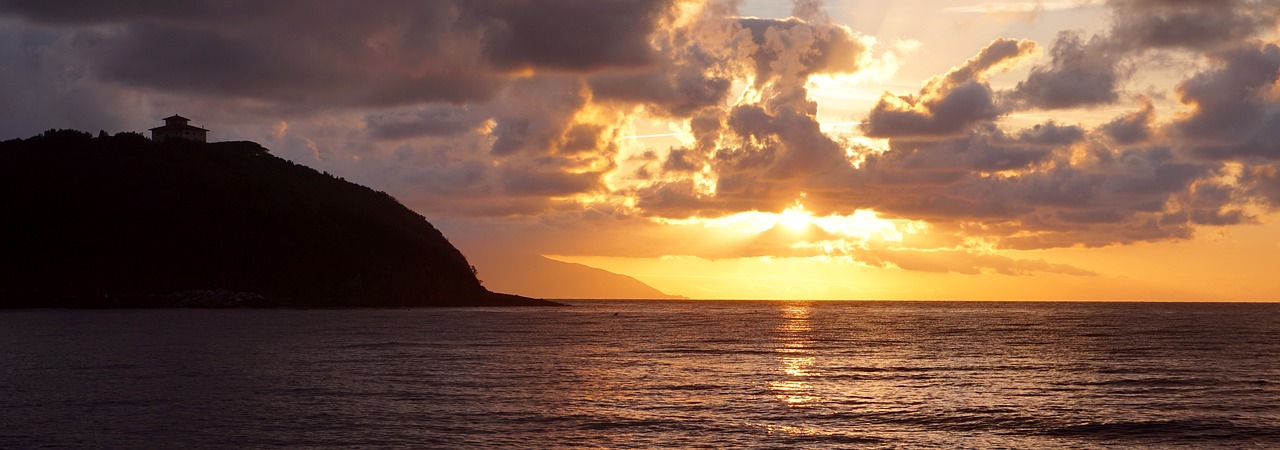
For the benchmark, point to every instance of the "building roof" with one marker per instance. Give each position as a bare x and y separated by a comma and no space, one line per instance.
177,128
177,123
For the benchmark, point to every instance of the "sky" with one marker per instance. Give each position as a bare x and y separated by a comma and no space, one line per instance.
958,149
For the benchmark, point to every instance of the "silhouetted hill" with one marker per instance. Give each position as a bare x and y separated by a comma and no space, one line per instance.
543,277
124,221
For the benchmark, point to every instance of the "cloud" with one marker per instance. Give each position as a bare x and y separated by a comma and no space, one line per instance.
520,34
1129,180
1132,128
332,53
986,149
537,182
682,160
72,12
46,87
779,146
432,120
1019,7
812,240
947,105
678,199
697,56
500,108
535,114
1157,24
1230,112
762,148
1090,72
793,49
1081,73
1049,186
1052,133
970,263
1262,181
679,91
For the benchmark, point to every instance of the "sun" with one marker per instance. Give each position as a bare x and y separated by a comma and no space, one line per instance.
795,217
859,227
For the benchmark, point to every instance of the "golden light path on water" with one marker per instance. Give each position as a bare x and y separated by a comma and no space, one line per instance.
794,339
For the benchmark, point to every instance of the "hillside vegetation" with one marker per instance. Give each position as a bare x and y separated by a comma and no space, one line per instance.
124,221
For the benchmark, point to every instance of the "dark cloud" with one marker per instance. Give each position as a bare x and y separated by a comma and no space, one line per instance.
795,48
949,104
322,53
985,150
1051,133
526,181
1081,73
944,114
1231,112
43,89
535,115
438,169
585,138
1192,24
1214,203
675,199
1262,181
678,92
786,144
1090,72
576,35
434,120
706,129
693,69
682,160
1132,128
80,12
999,52
1047,186
333,53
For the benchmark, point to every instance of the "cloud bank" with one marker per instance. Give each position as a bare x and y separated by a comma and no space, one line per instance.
516,108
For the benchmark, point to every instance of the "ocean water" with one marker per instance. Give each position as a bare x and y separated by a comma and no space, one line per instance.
634,374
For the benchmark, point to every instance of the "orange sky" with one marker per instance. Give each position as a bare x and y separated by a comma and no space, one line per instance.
918,149
718,258
1230,265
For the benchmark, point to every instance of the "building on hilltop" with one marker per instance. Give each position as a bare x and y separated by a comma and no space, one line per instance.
176,127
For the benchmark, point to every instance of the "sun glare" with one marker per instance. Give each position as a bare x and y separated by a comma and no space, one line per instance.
855,229
794,217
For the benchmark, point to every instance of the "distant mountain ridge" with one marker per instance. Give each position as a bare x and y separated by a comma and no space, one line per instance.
124,221
543,277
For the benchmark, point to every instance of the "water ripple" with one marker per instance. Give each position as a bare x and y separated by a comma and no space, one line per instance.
647,374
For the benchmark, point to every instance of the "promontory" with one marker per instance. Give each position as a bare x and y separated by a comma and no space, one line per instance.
124,221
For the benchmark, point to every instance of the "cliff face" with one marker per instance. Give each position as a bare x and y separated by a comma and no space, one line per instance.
123,221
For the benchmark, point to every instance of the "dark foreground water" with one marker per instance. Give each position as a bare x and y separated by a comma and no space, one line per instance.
647,374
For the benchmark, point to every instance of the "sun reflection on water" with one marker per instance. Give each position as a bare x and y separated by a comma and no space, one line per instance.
794,349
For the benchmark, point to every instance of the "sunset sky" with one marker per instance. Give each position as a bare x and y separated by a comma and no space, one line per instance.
917,149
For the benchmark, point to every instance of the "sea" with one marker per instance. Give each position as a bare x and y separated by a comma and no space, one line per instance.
647,374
